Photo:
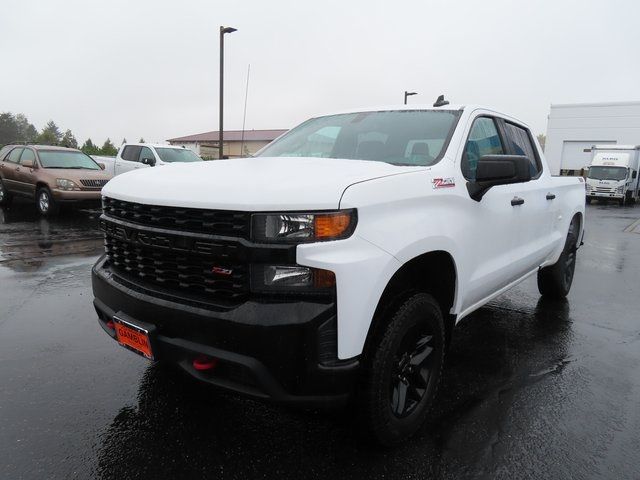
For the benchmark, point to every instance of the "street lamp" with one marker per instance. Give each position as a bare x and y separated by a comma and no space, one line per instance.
408,94
223,30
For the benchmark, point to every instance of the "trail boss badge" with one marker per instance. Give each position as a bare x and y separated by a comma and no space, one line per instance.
443,182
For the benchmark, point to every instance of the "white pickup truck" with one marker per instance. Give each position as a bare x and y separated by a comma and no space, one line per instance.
336,263
133,156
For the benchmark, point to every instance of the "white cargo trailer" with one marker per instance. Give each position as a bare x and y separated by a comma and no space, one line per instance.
613,173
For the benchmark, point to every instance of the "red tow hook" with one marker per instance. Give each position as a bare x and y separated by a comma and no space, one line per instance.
111,325
204,362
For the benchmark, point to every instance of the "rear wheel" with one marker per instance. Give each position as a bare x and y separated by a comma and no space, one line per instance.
555,281
403,372
5,197
45,203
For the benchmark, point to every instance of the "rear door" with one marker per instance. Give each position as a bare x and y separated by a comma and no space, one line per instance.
128,159
540,204
9,167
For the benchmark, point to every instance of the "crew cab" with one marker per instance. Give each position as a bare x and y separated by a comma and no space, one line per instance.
336,263
133,156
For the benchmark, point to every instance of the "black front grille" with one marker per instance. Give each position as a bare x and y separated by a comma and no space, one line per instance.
94,183
201,277
213,222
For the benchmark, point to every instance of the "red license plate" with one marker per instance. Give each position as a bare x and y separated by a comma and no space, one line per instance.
133,337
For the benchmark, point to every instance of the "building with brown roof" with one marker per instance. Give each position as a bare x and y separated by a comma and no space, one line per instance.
237,143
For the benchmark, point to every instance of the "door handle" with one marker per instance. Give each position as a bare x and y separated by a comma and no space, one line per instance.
550,196
517,201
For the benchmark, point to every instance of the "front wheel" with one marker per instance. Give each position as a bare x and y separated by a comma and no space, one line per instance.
555,281
403,371
45,202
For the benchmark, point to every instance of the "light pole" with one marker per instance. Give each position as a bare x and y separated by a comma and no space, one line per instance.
223,30
408,94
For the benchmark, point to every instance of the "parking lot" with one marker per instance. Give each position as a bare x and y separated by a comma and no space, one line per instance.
532,389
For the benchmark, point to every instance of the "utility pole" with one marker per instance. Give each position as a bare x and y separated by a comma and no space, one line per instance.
408,94
223,30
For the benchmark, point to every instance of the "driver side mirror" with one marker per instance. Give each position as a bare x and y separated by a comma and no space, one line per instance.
495,170
27,163
102,166
149,161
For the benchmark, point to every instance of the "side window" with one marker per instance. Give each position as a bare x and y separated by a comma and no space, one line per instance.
3,152
14,156
28,154
146,152
483,140
521,144
131,153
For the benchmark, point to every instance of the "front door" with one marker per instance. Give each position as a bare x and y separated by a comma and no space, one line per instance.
25,176
489,236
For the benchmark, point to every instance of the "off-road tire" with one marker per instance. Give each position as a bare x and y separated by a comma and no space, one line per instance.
415,319
555,280
45,203
5,197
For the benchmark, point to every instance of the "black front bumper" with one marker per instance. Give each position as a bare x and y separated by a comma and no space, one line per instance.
280,350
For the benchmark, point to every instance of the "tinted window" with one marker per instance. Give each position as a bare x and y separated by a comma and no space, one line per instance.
28,154
400,137
483,140
171,155
131,153
14,156
146,152
521,145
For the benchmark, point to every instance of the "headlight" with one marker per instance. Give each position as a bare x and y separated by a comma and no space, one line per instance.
303,227
290,278
65,184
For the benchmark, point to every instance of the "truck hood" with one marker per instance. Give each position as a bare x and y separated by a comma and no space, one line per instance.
250,184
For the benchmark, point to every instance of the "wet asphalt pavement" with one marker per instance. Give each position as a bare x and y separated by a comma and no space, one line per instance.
532,389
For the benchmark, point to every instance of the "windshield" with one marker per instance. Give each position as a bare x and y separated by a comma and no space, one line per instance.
402,137
171,155
607,173
66,159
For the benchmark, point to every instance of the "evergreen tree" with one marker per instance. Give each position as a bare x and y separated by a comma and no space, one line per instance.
68,140
108,149
89,148
50,134
124,140
141,140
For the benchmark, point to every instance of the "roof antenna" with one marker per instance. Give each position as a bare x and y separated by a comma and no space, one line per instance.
441,102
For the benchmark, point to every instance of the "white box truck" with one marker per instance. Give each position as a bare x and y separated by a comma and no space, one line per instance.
613,173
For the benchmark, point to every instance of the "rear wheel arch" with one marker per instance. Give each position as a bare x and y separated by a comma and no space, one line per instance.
434,273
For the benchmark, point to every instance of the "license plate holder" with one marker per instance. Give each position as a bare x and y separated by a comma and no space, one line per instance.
135,336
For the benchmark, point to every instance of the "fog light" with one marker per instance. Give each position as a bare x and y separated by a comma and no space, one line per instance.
290,278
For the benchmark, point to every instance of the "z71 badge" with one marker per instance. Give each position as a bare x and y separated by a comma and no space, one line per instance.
443,182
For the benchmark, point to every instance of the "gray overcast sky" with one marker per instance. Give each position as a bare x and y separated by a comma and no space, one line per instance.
150,68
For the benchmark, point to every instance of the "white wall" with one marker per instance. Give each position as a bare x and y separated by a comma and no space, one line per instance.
573,128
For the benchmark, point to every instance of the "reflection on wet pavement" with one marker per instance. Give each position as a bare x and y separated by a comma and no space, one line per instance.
532,389
28,240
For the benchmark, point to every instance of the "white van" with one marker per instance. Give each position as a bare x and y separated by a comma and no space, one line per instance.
613,173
